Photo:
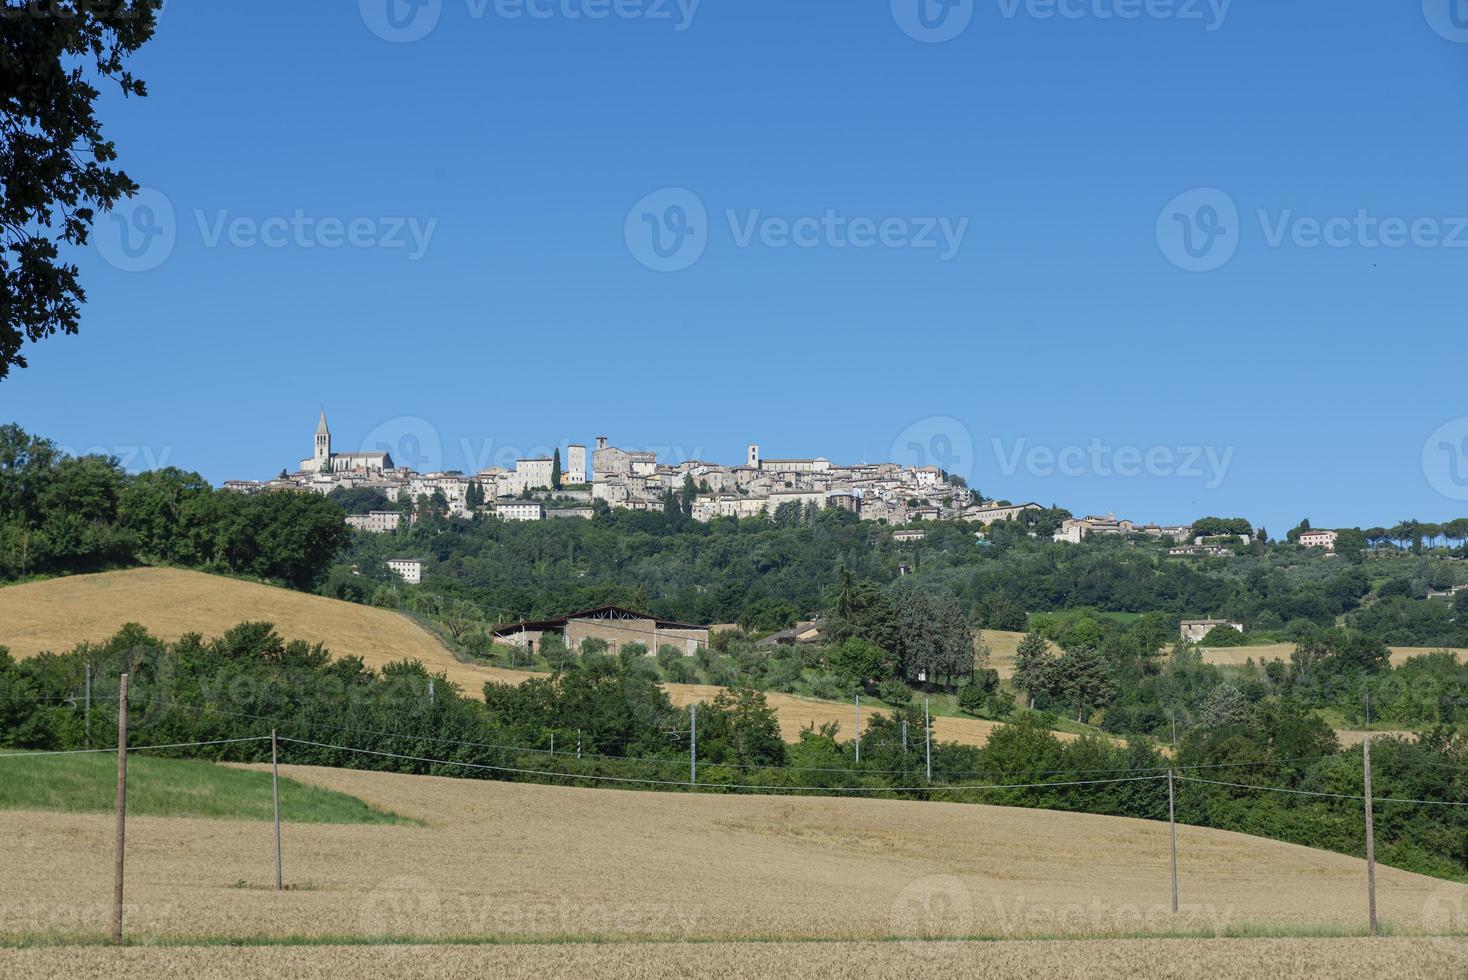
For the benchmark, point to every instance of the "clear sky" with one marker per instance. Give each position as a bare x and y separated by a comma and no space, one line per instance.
1019,238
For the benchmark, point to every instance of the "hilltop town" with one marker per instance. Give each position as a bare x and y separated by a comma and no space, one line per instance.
547,487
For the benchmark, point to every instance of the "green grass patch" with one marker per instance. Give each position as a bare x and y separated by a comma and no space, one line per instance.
172,788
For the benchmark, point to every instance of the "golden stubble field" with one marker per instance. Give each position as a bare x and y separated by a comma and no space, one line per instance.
1225,959
518,861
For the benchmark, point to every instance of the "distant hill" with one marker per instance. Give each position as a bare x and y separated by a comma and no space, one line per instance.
59,613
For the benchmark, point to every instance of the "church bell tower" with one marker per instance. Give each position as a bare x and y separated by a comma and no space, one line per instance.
323,445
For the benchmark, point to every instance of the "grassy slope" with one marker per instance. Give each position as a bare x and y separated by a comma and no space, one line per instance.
170,788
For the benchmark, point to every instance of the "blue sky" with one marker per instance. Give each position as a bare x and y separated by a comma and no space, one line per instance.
1033,252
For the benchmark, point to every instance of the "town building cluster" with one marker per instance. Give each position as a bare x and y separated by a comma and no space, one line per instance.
636,480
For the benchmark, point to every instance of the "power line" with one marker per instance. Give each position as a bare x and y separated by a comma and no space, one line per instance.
1334,796
731,786
133,748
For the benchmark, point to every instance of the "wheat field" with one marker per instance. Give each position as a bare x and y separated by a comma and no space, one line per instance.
510,861
1173,959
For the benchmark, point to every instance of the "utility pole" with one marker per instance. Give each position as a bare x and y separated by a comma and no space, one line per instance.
928,738
121,811
693,743
1173,716
1370,834
275,794
1172,826
904,737
858,729
430,692
88,711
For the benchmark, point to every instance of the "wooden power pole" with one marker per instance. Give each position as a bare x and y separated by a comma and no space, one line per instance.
121,811
275,794
1172,826
1370,833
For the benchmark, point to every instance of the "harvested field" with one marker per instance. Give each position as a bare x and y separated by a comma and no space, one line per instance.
795,713
1184,959
514,861
59,613
1236,656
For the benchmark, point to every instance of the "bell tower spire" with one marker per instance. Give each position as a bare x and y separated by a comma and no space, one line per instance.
323,445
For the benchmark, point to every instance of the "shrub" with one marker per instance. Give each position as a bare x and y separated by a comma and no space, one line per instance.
971,698
679,671
895,693
1223,636
1000,704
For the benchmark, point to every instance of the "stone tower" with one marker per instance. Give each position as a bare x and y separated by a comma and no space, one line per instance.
323,445
754,457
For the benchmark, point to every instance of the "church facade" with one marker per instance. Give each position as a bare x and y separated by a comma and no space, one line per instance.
323,460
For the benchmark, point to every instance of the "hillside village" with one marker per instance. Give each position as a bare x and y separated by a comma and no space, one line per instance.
545,488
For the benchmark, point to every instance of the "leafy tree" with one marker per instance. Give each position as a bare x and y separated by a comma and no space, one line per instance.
860,660
690,492
54,160
935,637
1350,544
1084,678
1032,666
1223,636
972,699
1224,705
1216,527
